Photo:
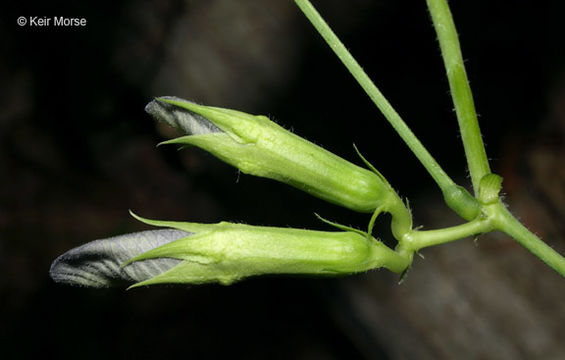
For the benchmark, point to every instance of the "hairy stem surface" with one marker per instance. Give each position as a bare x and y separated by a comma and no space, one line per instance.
460,91
507,223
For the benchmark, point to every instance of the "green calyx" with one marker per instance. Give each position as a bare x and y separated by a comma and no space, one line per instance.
227,252
257,146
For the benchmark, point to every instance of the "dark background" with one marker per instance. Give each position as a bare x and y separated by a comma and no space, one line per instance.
77,151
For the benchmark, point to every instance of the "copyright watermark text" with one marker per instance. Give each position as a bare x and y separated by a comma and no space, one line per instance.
55,21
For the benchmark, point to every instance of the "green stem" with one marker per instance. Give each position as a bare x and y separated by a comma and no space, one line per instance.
421,239
495,217
440,177
460,91
506,222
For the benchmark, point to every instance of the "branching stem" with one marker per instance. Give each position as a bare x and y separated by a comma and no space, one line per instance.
435,170
482,217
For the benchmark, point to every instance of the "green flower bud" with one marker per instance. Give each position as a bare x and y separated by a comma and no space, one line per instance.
192,253
258,146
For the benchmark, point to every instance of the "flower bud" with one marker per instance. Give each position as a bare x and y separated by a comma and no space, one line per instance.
258,146
192,253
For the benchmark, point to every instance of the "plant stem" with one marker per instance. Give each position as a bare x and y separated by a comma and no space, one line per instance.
422,239
437,173
496,217
506,222
460,91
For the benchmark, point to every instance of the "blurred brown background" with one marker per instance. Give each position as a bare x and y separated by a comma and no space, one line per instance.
77,151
